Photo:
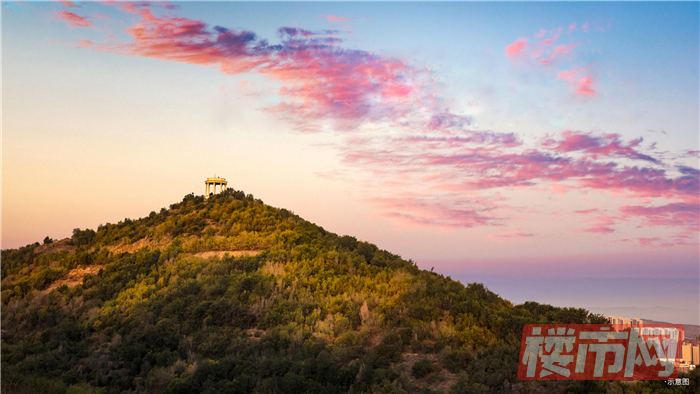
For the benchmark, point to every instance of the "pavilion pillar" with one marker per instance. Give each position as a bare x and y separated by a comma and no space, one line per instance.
211,185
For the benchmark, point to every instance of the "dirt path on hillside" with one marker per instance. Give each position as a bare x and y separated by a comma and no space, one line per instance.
75,277
134,247
222,253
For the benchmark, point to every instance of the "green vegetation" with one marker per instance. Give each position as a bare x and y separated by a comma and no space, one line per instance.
312,312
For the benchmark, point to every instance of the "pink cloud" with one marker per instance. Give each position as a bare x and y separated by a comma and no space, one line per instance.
511,235
585,87
481,168
447,121
559,50
583,84
428,212
551,41
645,182
572,27
608,145
318,78
73,20
562,190
85,44
568,75
564,49
516,47
653,242
332,18
460,166
101,16
538,54
674,214
69,4
603,223
600,229
585,27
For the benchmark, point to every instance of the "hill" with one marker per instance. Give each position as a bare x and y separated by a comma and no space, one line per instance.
229,295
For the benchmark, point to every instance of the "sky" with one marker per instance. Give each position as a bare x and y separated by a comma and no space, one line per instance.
547,150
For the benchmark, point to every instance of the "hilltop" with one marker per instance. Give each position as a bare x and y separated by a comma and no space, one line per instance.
229,295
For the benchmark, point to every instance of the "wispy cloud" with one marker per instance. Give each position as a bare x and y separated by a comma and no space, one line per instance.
674,214
602,222
74,20
69,4
424,211
550,41
655,242
333,18
559,50
585,86
516,47
510,235
608,145
581,78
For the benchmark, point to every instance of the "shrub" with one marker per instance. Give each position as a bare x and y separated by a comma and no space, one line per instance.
423,368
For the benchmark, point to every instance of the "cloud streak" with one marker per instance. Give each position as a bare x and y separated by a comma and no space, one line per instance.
332,18
74,20
608,145
675,214
416,211
516,47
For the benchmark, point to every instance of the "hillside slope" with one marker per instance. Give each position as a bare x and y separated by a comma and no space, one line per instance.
229,295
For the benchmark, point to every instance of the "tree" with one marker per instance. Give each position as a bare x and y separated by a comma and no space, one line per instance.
83,237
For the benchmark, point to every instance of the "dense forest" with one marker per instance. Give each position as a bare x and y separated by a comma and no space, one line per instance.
229,295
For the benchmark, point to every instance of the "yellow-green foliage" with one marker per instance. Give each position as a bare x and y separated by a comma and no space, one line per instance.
313,312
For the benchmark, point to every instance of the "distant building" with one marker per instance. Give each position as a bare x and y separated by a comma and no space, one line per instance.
690,353
619,320
687,353
624,320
